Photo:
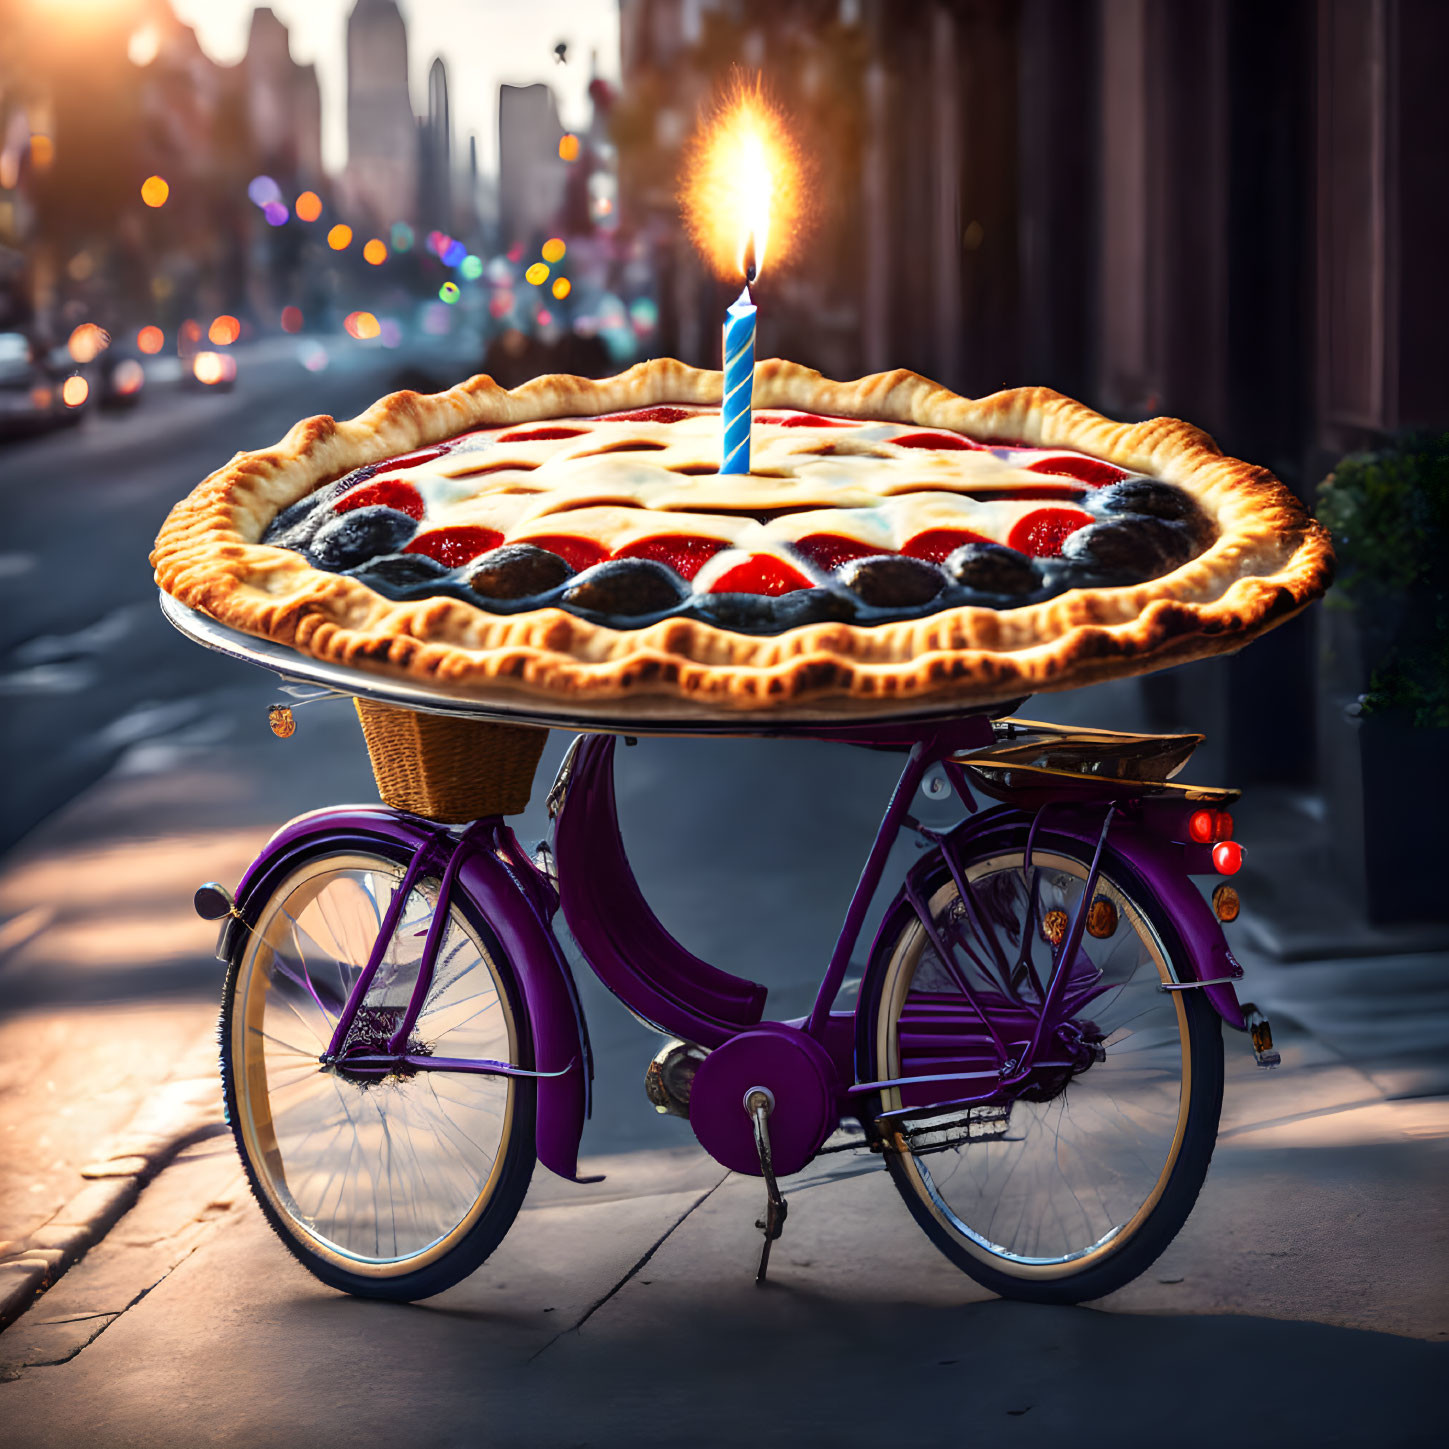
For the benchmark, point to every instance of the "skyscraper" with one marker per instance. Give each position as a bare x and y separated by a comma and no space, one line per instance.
530,173
381,176
435,154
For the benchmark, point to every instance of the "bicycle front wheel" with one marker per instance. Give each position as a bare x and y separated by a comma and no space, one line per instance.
393,1188
1075,1186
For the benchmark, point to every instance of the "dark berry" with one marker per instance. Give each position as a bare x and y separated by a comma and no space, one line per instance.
396,573
578,553
626,588
1132,545
773,614
1157,500
353,538
294,527
892,581
517,571
992,568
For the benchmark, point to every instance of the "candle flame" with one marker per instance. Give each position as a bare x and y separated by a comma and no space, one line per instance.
741,193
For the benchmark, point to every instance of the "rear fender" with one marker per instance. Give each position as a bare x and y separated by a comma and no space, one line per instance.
1161,865
560,1042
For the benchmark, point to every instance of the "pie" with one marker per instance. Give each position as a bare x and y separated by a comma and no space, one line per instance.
894,546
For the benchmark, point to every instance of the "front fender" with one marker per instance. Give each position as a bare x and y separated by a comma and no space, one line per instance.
560,1042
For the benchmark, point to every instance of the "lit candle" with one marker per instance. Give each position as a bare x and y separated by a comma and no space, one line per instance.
741,196
739,376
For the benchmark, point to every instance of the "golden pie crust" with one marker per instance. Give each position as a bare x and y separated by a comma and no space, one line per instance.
1270,560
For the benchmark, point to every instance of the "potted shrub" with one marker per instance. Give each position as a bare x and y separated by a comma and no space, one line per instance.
1387,644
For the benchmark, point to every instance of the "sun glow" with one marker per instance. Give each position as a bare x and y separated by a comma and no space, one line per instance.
741,191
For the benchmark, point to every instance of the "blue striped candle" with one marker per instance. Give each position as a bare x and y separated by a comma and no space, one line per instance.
739,383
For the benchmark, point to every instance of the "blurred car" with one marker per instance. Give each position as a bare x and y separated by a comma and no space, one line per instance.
33,395
121,377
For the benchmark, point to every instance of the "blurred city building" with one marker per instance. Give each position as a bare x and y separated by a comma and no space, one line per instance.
530,172
382,148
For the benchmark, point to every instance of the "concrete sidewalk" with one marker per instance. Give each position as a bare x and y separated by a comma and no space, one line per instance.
1308,1294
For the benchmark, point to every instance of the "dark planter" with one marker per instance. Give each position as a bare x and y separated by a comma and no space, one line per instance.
1387,787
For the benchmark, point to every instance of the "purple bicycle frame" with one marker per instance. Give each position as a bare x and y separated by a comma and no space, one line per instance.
668,987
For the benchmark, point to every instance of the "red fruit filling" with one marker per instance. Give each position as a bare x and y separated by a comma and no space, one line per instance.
455,546
578,553
952,441
1089,470
649,415
760,574
389,493
414,460
543,435
813,420
936,545
1042,533
685,554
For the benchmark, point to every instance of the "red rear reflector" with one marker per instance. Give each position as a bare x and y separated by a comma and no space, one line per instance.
1227,857
1202,826
1225,826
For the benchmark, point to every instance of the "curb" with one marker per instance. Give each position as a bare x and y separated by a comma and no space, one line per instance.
185,1108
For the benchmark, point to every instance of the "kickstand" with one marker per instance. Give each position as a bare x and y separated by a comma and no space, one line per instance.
759,1102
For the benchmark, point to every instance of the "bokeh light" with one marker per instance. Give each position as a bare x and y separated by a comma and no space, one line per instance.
644,314
568,147
472,268
291,319
313,356
448,292
545,317
361,325
562,287
263,189
553,249
402,237
453,254
501,303
150,339
340,237
128,377
309,206
142,47
87,342
42,396
224,330
155,190
211,368
391,335
276,213
515,252
189,335
42,153
74,391
375,252
537,274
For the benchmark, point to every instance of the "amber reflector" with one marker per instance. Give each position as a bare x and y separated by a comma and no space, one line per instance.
1054,926
1101,918
1226,903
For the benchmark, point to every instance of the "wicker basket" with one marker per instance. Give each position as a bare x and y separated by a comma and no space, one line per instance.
447,767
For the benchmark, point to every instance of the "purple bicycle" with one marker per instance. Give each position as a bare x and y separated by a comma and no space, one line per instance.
1035,1051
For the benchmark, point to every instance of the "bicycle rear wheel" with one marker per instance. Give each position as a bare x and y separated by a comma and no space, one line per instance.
393,1188
1075,1187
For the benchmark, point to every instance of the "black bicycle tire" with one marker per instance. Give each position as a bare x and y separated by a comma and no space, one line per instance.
1204,1044
519,1158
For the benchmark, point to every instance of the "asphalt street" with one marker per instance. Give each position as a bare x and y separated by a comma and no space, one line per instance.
1306,1300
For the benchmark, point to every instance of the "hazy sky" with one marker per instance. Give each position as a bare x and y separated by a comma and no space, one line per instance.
484,42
